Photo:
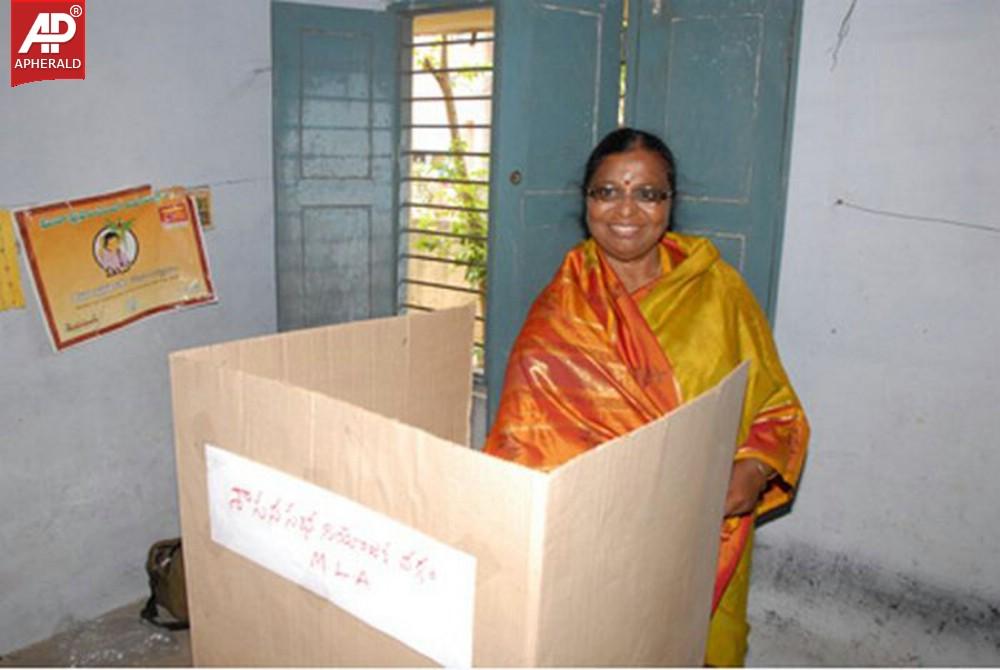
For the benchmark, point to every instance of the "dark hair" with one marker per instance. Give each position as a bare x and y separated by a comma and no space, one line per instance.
108,236
622,140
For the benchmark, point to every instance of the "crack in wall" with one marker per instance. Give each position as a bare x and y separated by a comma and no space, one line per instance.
840,202
845,29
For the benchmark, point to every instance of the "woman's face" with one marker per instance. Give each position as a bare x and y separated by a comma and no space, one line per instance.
625,221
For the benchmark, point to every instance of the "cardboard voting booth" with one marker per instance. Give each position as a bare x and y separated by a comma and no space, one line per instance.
333,514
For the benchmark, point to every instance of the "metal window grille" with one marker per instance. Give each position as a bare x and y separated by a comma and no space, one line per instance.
446,83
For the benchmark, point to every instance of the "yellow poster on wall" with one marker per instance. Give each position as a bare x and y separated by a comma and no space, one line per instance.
104,262
11,295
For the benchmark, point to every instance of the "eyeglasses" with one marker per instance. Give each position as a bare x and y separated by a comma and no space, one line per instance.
644,195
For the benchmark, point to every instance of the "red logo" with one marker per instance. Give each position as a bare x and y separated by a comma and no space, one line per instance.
47,40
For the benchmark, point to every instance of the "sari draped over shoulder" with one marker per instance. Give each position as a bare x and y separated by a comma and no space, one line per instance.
593,362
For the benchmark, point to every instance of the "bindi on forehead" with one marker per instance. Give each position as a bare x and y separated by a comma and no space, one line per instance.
629,179
626,176
631,167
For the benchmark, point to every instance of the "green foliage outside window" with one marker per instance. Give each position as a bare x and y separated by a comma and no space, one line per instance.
452,191
469,250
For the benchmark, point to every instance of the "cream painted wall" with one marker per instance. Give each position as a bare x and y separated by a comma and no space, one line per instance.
888,324
87,483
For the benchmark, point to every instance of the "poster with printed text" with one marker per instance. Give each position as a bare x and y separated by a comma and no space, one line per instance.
104,262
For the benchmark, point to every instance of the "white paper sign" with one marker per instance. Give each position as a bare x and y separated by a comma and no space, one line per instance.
393,577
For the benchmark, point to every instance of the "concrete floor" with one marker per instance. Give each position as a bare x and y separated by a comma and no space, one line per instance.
119,638
795,622
122,639
778,638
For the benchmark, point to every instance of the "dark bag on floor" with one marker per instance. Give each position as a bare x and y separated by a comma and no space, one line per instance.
165,567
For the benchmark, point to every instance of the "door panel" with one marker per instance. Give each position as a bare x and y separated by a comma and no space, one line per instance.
335,89
331,277
556,92
714,80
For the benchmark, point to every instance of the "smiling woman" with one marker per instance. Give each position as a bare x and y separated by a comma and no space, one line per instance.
629,195
637,321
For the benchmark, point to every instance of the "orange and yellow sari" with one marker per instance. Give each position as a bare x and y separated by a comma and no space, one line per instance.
593,362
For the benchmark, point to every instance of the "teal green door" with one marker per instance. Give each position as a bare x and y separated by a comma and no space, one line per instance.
715,80
555,95
334,96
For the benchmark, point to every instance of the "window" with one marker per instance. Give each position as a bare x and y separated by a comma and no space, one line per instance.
446,84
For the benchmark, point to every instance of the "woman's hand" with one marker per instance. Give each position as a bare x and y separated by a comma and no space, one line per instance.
747,481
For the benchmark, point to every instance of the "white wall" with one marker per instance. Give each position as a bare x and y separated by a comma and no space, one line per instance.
889,328
176,93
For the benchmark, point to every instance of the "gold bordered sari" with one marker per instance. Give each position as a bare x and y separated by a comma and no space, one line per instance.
593,362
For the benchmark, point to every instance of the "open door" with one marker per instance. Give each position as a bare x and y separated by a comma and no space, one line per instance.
555,96
335,98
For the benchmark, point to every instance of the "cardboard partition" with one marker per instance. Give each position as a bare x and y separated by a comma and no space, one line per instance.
332,514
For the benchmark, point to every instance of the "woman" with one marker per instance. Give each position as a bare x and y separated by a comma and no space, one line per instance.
636,321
